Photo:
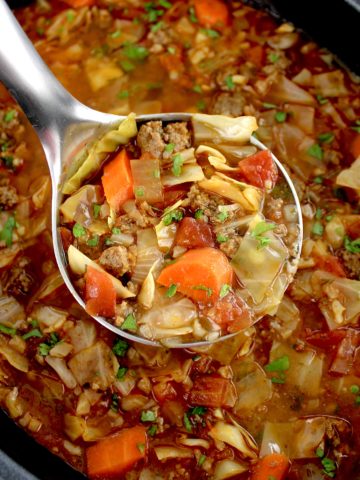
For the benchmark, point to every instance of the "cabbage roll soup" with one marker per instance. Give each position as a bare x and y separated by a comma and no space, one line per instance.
179,237
183,232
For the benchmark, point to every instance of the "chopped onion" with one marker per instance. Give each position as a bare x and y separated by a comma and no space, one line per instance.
12,314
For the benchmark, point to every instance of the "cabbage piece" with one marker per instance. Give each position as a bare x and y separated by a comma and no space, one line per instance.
215,158
166,233
278,89
74,426
190,171
236,436
49,285
78,263
252,386
12,314
305,369
257,268
8,254
83,335
147,254
101,72
88,194
96,365
15,359
147,182
49,318
60,367
339,298
302,116
247,196
223,129
287,318
297,439
147,292
330,84
350,177
99,151
235,153
228,469
168,452
97,428
193,442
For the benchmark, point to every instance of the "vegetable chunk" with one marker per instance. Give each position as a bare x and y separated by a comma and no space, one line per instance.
274,466
113,456
199,274
259,170
117,180
100,293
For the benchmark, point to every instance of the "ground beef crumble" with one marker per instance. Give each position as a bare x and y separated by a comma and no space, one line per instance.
8,196
225,103
351,263
152,138
118,260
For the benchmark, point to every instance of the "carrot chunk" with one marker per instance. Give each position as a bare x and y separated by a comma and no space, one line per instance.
199,274
100,293
115,455
117,180
355,147
211,13
274,466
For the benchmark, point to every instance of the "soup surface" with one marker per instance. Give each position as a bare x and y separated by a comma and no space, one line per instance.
280,400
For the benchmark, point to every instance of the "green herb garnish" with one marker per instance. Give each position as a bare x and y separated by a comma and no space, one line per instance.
173,216
197,89
7,330
169,147
51,341
177,165
192,15
127,66
78,230
273,57
148,416
322,100
199,214
120,347
316,151
114,405
201,105
278,365
94,241
187,423
222,216
139,191
224,290
354,389
203,287
123,94
129,323
96,210
152,430
280,117
35,332
269,106
210,32
7,232
317,229
121,373
197,410
201,460
326,137
352,246
229,82
135,52
10,115
318,180
221,238
170,292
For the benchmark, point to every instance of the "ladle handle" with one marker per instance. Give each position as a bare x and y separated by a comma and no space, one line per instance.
44,100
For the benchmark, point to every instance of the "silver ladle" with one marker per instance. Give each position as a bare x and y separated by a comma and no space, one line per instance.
63,124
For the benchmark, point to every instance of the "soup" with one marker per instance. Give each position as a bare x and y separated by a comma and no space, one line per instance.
279,400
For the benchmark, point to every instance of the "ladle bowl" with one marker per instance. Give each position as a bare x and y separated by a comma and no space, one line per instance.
64,125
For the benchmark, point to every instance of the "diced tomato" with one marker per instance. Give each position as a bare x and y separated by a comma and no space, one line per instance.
231,313
331,264
259,170
194,234
212,391
164,391
326,340
345,353
172,195
66,237
353,230
100,293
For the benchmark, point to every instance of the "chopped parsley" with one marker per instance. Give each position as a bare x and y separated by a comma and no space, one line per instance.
96,210
141,447
115,34
329,467
269,106
210,32
94,241
152,431
278,366
148,416
356,127
7,330
192,15
164,3
78,230
129,323
224,290
280,116
156,173
169,147
197,89
35,332
316,151
187,423
70,16
201,460
123,94
139,191
222,216
120,347
221,238
352,246
173,216
157,26
114,405
121,373
273,57
318,213
208,290
177,165
229,82
326,137
259,230
10,115
322,100
170,292
355,389
197,410
135,52
50,342
201,105
317,229
199,214
116,231
7,232
318,180
127,66
8,161
171,50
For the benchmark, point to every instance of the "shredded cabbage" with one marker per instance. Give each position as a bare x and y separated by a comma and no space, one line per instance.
222,129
